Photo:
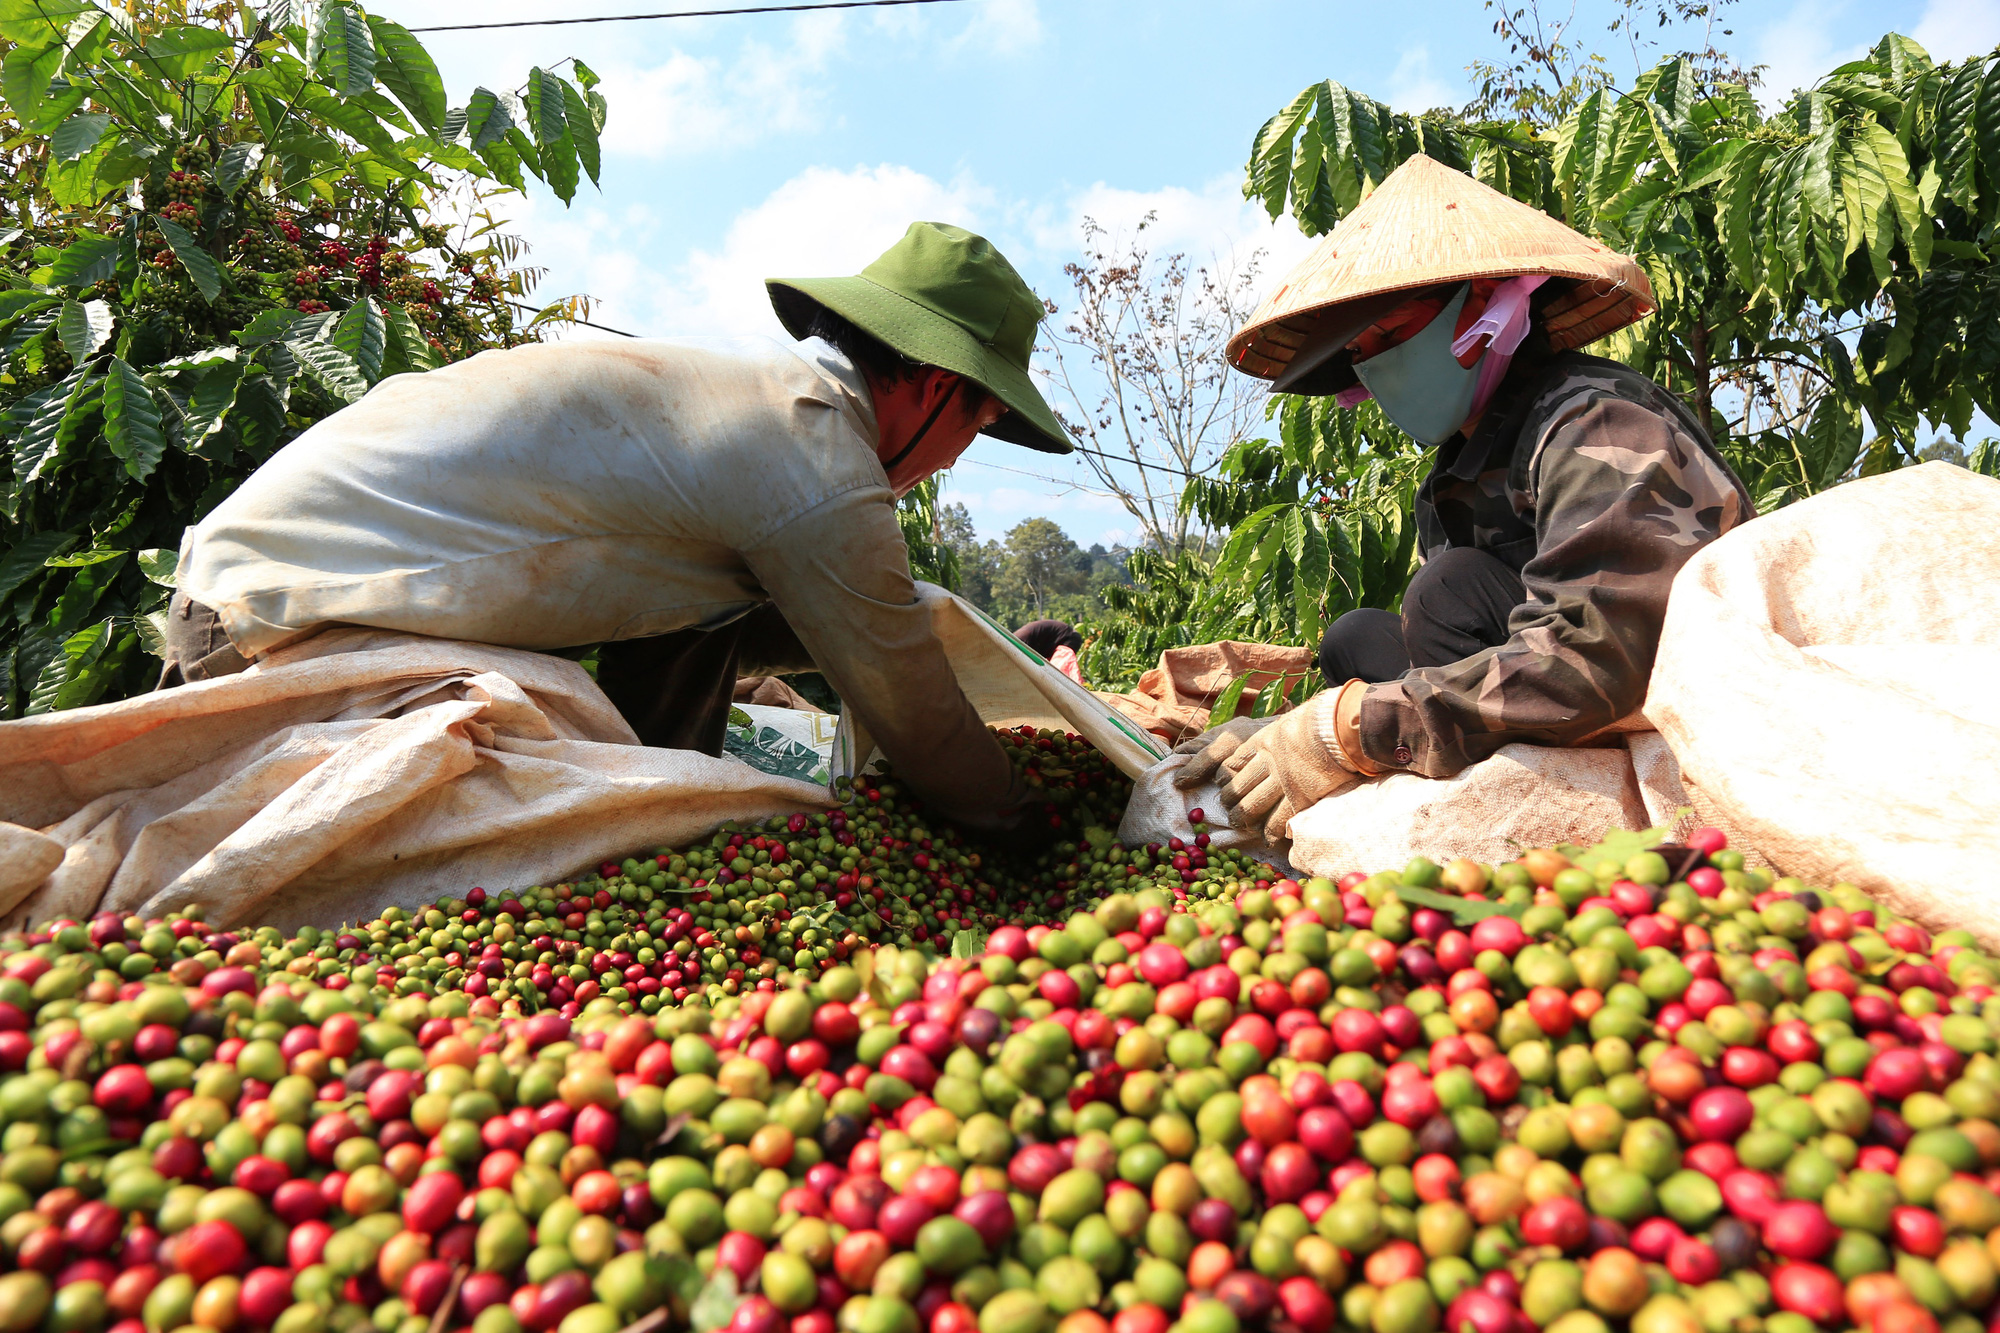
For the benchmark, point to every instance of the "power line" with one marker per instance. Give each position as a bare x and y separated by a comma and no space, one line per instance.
1182,473
1069,484
688,14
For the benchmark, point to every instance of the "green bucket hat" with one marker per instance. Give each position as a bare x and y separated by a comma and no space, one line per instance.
943,297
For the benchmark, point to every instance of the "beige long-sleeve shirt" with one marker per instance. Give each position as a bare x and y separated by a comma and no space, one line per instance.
566,494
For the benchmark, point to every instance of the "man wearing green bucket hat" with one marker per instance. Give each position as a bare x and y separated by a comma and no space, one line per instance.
695,509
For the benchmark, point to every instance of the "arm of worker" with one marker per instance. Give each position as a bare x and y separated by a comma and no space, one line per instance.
1623,498
840,574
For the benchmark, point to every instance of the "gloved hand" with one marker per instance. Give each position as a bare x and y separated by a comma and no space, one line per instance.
1212,748
1285,768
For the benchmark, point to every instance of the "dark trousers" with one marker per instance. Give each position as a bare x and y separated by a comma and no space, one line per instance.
675,689
1457,605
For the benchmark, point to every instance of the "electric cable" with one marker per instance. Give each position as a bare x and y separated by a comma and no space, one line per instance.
687,14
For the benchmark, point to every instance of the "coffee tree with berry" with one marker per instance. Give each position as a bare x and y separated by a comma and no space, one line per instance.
223,223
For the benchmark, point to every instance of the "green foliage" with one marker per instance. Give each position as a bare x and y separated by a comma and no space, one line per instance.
1319,523
1826,299
1041,564
1822,273
932,558
220,239
1038,571
978,564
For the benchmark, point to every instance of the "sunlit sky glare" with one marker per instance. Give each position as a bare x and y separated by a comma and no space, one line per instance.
770,145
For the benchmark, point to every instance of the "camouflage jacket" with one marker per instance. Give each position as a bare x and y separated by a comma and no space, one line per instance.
1597,485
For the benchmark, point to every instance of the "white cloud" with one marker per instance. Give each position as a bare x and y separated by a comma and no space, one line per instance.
696,86
992,27
1002,27
594,250
1213,226
675,89
821,221
683,104
1798,50
1954,29
1414,87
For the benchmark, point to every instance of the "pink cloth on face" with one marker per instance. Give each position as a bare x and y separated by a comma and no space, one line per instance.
1065,662
1503,324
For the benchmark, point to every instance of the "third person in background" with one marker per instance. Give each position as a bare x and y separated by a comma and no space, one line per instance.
1057,642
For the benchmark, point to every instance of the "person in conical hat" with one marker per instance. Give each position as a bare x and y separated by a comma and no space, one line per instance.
691,511
1565,492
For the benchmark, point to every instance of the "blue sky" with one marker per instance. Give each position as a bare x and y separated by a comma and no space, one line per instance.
793,145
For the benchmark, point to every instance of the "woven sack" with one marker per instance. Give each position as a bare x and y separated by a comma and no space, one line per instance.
1825,680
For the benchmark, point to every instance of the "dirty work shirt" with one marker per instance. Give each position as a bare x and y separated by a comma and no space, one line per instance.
564,494
1596,485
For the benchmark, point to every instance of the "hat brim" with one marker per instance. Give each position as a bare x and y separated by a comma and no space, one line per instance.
928,338
1428,225
1323,364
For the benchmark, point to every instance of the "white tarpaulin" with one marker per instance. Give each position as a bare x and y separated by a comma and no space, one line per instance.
355,770
361,768
1826,682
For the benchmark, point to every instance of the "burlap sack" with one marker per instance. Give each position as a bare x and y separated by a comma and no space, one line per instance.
771,692
1520,797
26,858
1173,699
1826,680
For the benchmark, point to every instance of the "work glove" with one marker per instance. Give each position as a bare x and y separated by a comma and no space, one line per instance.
1212,748
1286,767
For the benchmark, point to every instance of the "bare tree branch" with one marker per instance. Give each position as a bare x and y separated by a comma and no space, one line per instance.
1141,362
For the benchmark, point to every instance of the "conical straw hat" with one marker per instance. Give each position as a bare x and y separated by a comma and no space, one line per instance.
1428,225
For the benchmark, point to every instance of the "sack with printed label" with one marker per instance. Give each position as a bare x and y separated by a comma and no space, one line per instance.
788,742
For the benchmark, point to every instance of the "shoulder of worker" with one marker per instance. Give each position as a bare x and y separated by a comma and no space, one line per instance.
1597,426
751,370
744,417
725,441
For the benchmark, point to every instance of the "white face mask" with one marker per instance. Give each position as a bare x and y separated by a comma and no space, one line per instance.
1419,383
